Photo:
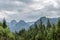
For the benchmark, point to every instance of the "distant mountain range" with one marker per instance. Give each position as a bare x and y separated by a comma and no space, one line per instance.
17,26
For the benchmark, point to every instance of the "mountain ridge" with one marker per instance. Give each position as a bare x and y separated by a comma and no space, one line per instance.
17,26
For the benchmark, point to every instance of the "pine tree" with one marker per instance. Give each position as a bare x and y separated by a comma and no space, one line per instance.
4,23
35,25
21,31
54,34
41,30
59,23
41,25
48,24
58,31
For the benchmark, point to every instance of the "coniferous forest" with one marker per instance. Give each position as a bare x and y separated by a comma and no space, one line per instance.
41,32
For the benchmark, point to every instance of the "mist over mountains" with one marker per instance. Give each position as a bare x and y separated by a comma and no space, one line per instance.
17,26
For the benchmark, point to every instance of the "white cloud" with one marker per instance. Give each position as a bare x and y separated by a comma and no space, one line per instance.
39,4
3,15
9,12
28,10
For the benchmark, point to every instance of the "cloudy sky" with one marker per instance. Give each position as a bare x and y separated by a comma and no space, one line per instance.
29,10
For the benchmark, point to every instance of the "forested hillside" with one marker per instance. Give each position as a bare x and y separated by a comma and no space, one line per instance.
41,32
5,33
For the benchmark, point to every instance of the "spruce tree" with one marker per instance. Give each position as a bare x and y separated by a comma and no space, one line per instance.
48,24
4,23
58,31
41,25
54,34
35,25
59,23
41,30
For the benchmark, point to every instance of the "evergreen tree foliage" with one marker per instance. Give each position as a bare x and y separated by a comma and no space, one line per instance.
35,25
0,24
59,23
41,25
36,32
48,24
58,30
4,23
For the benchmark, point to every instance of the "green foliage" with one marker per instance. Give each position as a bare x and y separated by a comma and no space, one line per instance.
41,32
4,23
0,24
5,33
51,32
59,23
48,24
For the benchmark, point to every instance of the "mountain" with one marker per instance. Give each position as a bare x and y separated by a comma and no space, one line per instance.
44,20
12,24
20,25
17,26
30,23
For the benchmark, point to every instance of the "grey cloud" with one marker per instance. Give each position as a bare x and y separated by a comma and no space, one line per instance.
49,11
26,1
24,12
10,5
